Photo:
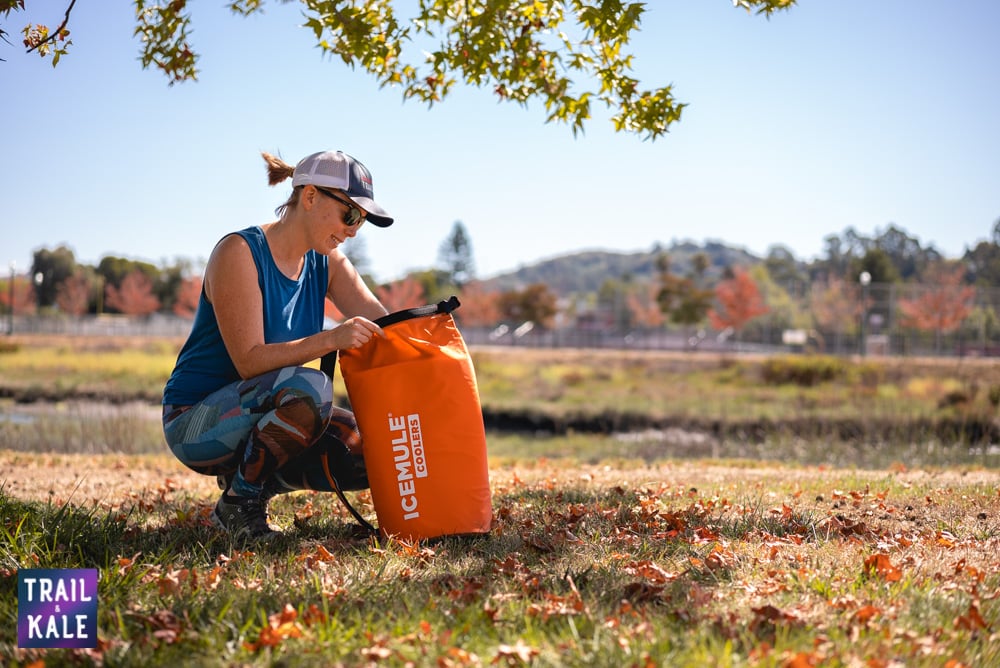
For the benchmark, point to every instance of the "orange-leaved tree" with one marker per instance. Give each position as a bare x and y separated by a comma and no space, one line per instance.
535,304
480,306
133,296
941,307
738,302
835,305
402,294
73,294
644,307
23,293
188,295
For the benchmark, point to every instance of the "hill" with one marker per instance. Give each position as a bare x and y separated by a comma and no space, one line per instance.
585,271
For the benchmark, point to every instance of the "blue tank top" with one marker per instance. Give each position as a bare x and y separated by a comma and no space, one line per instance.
292,310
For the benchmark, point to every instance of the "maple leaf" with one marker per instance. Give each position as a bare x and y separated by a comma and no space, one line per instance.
866,613
972,620
802,660
281,625
320,555
880,565
651,572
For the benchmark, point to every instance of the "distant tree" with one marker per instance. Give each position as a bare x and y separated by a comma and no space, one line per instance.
434,283
879,266
188,296
479,307
983,261
890,257
644,307
680,298
783,268
835,304
356,251
612,301
134,296
402,294
24,295
905,253
785,309
73,294
941,306
982,325
114,270
738,301
54,267
536,304
168,280
455,256
563,55
836,261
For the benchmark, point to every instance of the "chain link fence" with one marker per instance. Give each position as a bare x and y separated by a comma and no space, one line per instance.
872,325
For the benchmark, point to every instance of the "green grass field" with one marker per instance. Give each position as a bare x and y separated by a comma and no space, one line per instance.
656,549
680,564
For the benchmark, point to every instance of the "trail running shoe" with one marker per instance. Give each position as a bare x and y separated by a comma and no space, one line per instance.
272,487
245,518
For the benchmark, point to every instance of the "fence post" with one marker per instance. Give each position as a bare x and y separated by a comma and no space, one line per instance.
10,293
865,279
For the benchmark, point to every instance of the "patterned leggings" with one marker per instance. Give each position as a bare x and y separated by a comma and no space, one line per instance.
281,425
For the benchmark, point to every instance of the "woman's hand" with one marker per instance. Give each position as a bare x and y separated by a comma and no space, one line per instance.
355,332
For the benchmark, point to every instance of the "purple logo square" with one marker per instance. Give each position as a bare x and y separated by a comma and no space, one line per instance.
57,607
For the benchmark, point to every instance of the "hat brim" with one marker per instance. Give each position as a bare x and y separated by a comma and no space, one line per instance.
376,214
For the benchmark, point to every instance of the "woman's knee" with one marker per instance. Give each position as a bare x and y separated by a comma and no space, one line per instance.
307,383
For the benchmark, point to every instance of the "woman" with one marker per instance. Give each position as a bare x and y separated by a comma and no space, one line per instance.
240,404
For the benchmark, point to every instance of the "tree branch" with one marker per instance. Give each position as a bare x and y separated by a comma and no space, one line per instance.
55,33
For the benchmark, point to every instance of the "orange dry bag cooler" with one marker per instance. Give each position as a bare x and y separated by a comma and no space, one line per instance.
415,397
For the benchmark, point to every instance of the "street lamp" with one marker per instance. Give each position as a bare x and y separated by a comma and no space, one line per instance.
10,293
865,279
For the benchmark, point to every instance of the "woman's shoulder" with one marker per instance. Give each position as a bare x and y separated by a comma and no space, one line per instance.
233,242
235,247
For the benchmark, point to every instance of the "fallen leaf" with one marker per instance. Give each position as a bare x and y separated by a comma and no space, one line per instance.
880,565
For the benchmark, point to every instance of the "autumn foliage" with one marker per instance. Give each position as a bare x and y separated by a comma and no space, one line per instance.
739,301
23,293
480,307
134,296
73,294
402,294
656,564
942,307
644,307
835,303
188,296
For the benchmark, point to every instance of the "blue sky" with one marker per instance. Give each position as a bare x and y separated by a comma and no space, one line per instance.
838,113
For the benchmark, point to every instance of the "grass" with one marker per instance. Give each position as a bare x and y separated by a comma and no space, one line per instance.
565,381
663,547
114,369
669,563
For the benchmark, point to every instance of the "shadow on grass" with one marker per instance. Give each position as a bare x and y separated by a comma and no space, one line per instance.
40,534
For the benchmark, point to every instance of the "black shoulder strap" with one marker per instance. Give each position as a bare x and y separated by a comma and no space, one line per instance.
357,516
445,306
328,362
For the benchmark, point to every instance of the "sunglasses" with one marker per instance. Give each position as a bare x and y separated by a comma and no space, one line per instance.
353,216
